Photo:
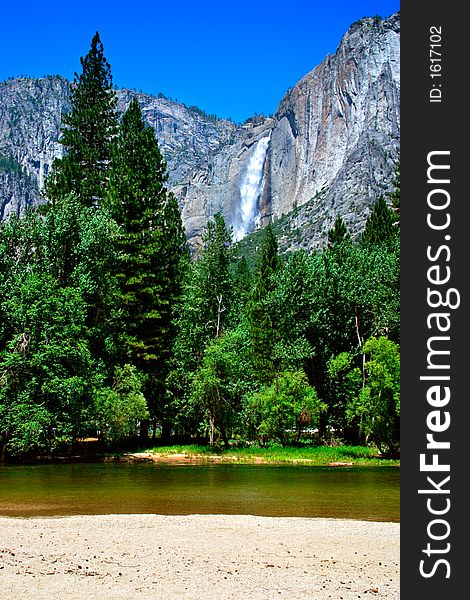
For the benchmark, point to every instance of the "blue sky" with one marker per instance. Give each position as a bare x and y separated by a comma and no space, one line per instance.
231,58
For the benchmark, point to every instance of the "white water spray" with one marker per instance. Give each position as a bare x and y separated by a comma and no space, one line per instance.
250,190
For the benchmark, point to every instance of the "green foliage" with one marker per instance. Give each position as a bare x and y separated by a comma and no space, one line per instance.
262,331
379,225
369,395
217,387
307,453
202,113
57,320
87,132
268,263
207,293
203,315
282,410
345,379
242,288
120,408
394,195
150,248
377,405
214,275
333,301
46,367
309,313
25,427
292,354
338,234
76,246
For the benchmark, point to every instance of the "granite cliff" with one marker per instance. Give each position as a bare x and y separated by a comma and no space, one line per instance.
329,149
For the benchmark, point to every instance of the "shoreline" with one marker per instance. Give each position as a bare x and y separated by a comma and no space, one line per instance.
318,456
157,457
116,557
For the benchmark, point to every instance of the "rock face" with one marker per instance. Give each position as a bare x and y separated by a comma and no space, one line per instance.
215,186
334,140
337,132
187,137
30,112
328,150
30,121
17,193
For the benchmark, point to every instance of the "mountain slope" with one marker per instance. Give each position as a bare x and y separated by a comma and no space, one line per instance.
328,150
337,131
30,118
333,142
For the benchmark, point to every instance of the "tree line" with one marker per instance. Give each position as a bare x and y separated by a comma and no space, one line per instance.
108,325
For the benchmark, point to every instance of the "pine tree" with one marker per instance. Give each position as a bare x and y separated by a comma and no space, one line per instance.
203,312
261,325
338,234
379,226
242,286
214,277
269,261
151,249
87,132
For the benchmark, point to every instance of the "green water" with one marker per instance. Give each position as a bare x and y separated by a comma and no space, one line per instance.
104,488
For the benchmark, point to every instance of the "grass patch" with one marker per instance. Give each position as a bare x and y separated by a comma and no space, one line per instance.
314,455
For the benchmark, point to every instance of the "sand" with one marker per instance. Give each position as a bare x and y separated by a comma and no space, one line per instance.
198,557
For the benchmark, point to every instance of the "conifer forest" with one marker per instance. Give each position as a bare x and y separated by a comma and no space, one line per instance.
112,326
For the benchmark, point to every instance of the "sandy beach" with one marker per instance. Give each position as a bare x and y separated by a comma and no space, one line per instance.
198,557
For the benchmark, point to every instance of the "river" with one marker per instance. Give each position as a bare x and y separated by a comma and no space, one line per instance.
364,493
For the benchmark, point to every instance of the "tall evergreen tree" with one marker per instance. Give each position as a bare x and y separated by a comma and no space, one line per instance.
259,316
151,249
242,287
216,279
87,132
339,233
207,300
268,263
204,311
379,226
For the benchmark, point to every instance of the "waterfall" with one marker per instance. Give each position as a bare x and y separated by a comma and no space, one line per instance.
250,190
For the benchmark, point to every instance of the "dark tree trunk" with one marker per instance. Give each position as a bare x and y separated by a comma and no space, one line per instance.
144,430
166,432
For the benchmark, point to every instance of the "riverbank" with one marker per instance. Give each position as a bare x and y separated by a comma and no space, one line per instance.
90,450
120,557
330,456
